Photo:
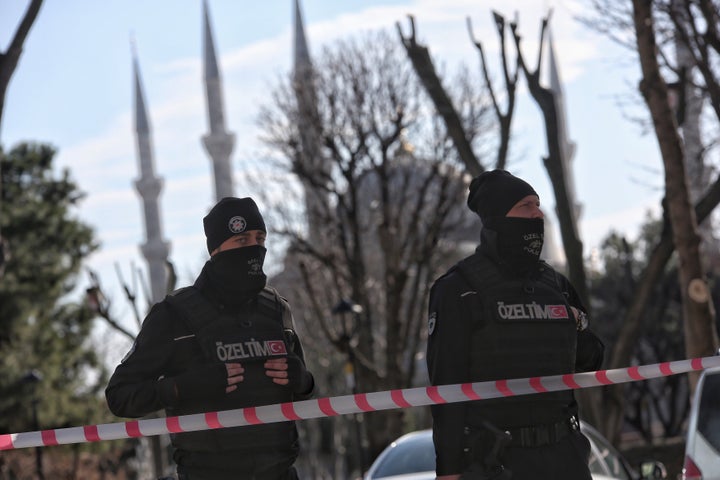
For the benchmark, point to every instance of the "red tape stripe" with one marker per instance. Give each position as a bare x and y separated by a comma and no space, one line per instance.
173,424
326,407
502,387
469,392
634,373
133,429
212,420
569,380
665,368
601,376
6,442
91,433
399,399
288,410
696,364
433,393
362,403
251,416
536,384
48,437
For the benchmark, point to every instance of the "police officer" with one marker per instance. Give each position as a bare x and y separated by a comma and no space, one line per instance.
503,313
225,342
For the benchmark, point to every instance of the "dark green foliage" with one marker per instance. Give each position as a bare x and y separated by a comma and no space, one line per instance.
41,328
662,401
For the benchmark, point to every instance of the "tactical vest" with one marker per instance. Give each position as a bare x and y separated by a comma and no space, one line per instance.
248,337
520,328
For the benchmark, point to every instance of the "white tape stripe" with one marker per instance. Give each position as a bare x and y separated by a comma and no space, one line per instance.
343,405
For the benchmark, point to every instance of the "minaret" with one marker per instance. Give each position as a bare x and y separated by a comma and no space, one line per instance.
218,143
308,124
155,249
567,146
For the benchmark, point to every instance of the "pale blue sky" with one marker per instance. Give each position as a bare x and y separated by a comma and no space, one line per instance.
73,89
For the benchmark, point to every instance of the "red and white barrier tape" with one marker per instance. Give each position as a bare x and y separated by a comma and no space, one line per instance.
343,405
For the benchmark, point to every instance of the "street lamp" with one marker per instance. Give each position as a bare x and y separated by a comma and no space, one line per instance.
32,378
344,307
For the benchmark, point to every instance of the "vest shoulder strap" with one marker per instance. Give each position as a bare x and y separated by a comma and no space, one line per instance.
551,278
195,310
479,272
269,303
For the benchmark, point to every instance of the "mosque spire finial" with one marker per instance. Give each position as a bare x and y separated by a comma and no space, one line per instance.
219,143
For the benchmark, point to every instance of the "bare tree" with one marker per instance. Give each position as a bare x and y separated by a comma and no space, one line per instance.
691,26
511,79
395,216
101,305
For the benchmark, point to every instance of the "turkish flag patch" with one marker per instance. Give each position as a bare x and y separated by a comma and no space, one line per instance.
276,347
558,311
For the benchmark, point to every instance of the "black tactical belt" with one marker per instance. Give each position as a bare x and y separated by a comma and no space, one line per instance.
539,435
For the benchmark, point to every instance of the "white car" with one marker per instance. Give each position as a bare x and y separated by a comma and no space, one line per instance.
702,447
412,457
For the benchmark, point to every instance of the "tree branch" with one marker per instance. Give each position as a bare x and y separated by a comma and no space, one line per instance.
423,65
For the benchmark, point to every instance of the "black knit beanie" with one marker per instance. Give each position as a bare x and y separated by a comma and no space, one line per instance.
229,217
494,193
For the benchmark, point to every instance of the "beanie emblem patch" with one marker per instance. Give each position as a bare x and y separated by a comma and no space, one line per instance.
237,224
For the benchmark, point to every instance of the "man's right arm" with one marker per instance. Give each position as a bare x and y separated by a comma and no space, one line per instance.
152,376
448,357
134,390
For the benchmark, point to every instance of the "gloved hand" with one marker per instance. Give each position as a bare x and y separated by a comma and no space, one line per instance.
202,383
301,381
590,352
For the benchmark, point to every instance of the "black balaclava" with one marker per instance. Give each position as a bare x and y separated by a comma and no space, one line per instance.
519,241
236,274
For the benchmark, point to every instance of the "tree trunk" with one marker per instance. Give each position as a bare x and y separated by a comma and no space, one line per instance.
701,338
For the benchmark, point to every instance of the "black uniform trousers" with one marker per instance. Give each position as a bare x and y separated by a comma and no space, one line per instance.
290,474
558,461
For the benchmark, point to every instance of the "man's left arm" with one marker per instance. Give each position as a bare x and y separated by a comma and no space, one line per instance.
590,349
291,370
305,381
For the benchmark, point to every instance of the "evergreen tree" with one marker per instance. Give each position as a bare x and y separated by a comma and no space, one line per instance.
41,329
